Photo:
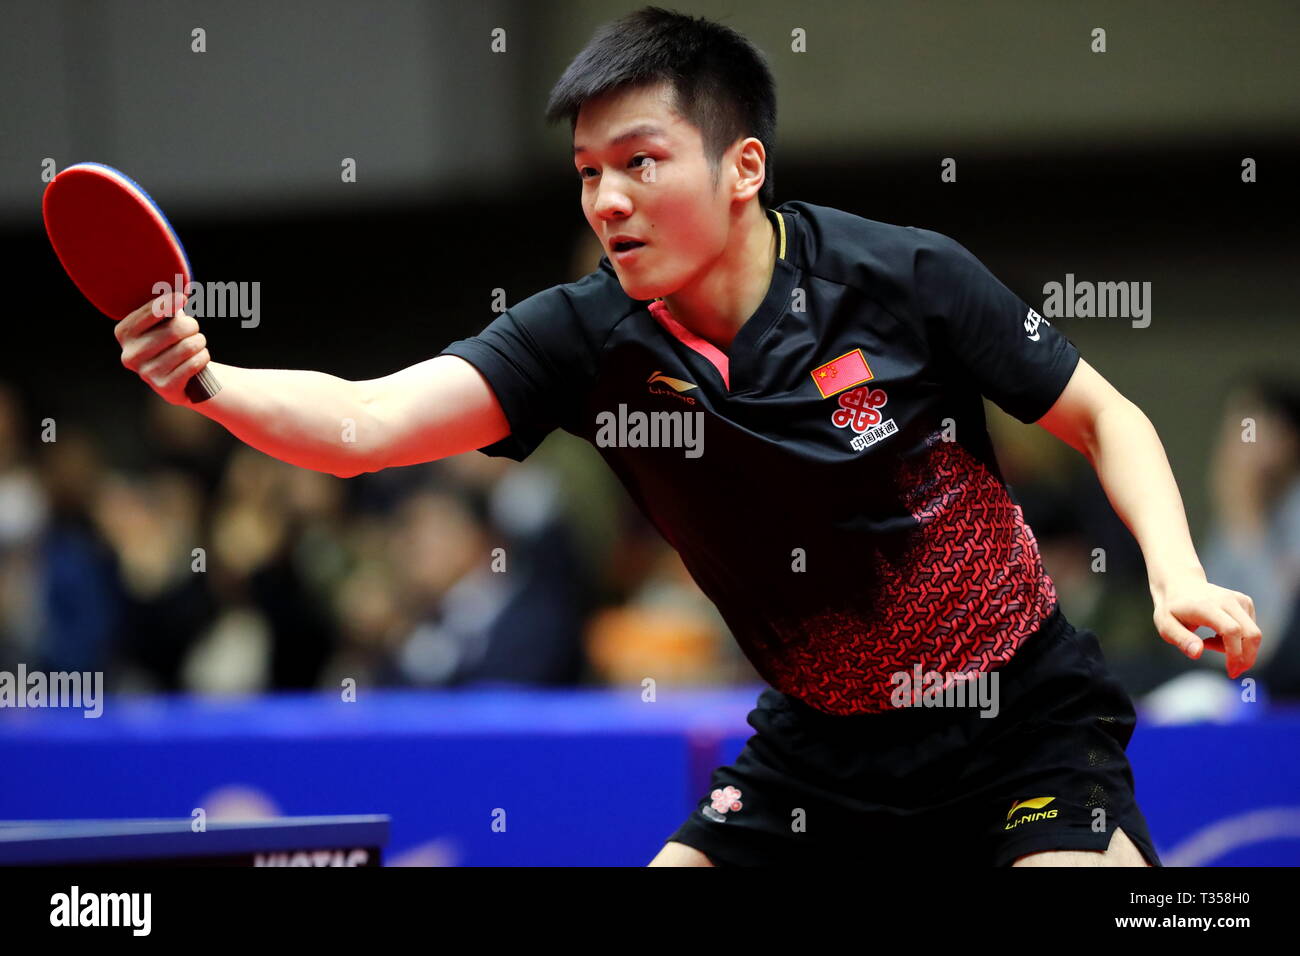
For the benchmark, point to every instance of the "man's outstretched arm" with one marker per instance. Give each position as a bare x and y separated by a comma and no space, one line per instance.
437,408
1122,446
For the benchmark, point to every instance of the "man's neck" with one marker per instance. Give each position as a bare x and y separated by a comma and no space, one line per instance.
732,289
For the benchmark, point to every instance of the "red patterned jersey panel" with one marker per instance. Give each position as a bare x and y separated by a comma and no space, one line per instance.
960,598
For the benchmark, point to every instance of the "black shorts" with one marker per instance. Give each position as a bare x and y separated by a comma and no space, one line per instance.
935,785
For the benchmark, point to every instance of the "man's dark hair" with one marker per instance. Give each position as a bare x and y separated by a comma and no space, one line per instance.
721,81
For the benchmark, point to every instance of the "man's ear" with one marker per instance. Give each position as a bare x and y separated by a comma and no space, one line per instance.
750,166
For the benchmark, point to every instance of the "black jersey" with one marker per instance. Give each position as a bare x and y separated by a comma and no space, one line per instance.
829,481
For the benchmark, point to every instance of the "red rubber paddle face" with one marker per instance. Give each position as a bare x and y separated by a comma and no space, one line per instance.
113,241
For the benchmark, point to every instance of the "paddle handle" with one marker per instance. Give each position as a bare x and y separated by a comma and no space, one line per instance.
202,386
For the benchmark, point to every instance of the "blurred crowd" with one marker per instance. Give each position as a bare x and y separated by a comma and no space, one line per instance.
214,568
206,566
1250,543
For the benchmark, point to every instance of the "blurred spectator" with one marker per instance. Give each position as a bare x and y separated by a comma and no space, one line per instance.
666,630
152,523
497,591
22,499
277,556
1254,543
24,511
78,598
188,444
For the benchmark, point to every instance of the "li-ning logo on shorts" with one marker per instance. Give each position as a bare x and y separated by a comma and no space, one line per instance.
859,410
1032,321
1036,803
724,800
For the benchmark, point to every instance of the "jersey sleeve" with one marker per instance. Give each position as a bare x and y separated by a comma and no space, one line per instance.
985,332
539,361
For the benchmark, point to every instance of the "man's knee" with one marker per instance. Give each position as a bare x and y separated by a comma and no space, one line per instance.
679,854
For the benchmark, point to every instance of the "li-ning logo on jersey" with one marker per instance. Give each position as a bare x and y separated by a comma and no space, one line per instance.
1032,321
676,384
860,410
724,800
1035,803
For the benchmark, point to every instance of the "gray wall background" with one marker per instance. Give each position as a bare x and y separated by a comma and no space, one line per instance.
413,91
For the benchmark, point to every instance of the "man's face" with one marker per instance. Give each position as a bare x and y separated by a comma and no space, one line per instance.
654,185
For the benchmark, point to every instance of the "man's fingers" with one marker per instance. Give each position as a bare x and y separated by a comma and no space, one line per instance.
168,334
1228,629
169,303
1250,638
141,349
1247,604
1173,631
158,371
1214,644
163,345
187,369
148,315
139,320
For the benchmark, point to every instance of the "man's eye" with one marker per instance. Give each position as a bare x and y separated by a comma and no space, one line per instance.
582,173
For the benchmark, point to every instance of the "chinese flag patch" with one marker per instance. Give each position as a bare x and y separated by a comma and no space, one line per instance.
844,372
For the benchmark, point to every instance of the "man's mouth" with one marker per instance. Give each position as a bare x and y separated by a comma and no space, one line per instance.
624,245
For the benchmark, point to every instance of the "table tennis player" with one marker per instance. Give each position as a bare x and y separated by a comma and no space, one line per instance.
845,511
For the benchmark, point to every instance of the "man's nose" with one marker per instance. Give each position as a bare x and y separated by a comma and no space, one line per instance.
612,203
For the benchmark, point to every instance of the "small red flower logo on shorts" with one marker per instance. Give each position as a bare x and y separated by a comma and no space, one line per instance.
724,799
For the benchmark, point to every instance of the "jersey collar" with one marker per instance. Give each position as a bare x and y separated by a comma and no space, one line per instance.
737,366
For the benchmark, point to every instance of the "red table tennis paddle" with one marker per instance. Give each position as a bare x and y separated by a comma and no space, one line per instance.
116,245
